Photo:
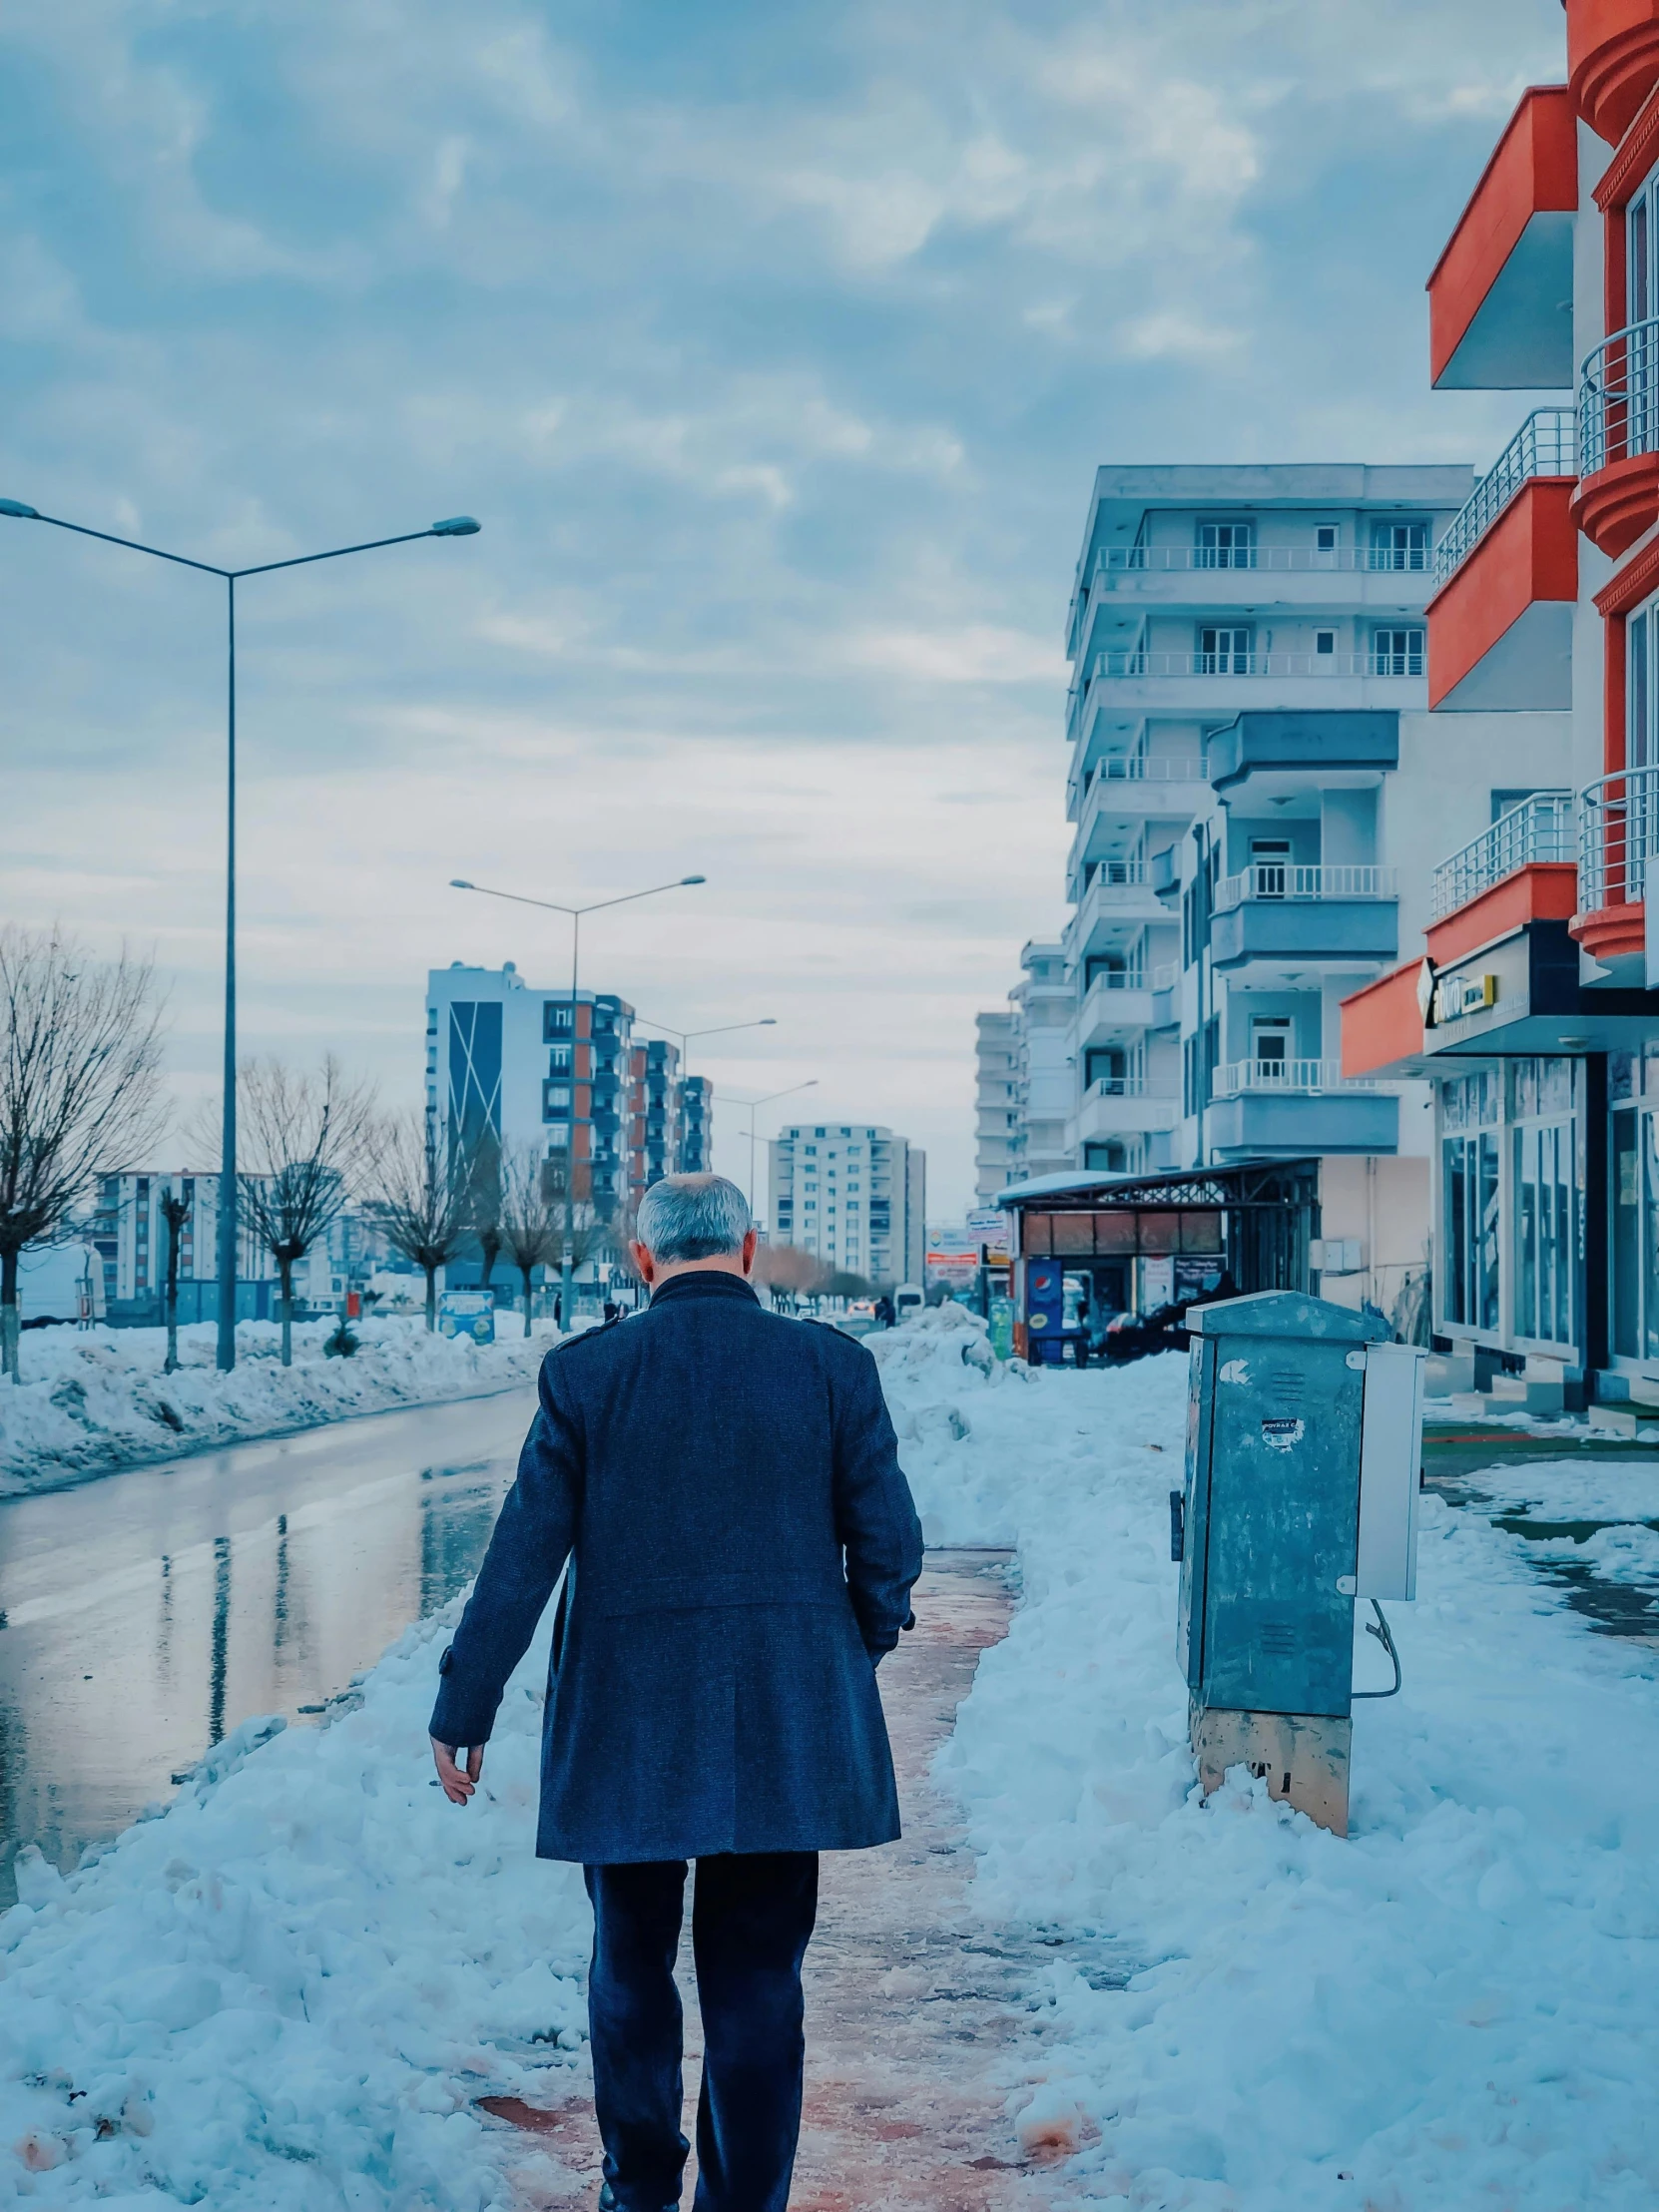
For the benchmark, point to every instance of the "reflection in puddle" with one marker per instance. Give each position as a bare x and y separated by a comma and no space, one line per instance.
149,1614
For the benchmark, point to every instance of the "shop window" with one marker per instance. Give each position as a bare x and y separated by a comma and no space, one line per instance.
1545,1215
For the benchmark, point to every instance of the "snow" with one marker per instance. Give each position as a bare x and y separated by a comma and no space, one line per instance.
93,1399
1457,2006
288,1990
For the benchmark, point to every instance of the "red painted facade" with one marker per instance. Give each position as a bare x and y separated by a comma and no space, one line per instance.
1535,169
1530,553
1612,61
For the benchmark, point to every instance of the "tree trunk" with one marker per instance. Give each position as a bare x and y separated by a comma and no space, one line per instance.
8,1314
171,1365
431,1297
528,1295
284,1277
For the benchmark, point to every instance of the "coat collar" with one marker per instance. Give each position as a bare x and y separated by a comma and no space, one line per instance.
713,1284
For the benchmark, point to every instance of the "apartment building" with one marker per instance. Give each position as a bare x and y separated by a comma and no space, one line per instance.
1529,1000
127,1228
565,1076
852,1194
998,1140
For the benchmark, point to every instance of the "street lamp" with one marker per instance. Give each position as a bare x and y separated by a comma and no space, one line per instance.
810,1084
566,1271
687,1037
457,526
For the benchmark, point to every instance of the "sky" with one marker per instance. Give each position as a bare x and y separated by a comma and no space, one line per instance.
774,348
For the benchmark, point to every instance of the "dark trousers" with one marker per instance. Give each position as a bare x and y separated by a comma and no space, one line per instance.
752,1919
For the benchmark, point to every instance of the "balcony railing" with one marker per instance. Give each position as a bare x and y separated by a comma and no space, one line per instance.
1285,1075
1545,445
1118,979
1121,877
1280,880
1121,768
1116,1086
1135,661
1539,829
1618,398
1284,560
1618,838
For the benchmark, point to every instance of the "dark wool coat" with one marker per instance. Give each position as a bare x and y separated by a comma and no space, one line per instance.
725,1484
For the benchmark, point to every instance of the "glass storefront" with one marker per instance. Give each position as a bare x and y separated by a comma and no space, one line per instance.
1470,1109
1546,1242
1633,1204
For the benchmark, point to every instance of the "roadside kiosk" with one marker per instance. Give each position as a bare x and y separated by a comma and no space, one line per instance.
1304,1447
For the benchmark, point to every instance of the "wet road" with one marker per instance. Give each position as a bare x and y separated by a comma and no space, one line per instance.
144,1615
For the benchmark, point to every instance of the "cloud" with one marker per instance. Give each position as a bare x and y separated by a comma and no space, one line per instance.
775,349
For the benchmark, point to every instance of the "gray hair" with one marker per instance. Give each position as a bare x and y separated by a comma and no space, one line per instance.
691,1217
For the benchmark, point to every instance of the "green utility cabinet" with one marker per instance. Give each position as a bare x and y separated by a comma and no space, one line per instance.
1304,1442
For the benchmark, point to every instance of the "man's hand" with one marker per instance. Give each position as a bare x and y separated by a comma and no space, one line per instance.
457,1786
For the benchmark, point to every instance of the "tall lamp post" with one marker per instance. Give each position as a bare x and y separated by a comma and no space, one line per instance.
567,1269
457,526
687,1037
753,1104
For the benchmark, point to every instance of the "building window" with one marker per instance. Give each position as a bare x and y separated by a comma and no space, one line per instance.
474,1071
556,1019
1324,643
1325,538
1639,746
1400,545
1226,545
1226,649
1396,651
1468,1166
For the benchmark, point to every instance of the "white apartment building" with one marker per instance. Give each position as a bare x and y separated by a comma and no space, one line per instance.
852,1194
1046,1001
998,1142
126,1227
1259,798
1024,1092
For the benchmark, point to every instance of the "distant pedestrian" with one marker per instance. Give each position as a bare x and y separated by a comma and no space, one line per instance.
725,1484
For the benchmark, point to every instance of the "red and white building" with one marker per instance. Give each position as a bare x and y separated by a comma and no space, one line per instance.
1532,1004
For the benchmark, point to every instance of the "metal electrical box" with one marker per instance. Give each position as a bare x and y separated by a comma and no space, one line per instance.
1303,1435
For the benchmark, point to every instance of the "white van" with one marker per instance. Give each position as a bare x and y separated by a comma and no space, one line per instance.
909,1299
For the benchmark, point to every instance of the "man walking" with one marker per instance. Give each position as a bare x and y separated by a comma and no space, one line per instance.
741,1543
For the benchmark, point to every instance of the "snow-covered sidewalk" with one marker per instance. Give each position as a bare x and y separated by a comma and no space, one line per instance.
288,1990
96,1399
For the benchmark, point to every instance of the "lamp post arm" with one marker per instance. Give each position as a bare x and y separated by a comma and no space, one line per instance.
134,545
304,560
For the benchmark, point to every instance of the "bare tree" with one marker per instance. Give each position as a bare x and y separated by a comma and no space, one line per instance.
304,1140
529,1235
174,1210
592,1232
787,1269
80,1075
485,1197
420,1196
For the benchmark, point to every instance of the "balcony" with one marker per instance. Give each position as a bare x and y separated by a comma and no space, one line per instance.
1166,981
1499,298
1270,744
1501,624
1545,445
1123,1106
1618,837
1297,1107
1114,907
1618,438
1612,60
1122,793
1112,1006
1540,831
1285,914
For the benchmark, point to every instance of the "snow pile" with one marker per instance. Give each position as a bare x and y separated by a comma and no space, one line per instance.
1457,2006
95,1399
286,1994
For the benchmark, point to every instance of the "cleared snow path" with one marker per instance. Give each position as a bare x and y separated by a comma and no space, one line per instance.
96,1399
